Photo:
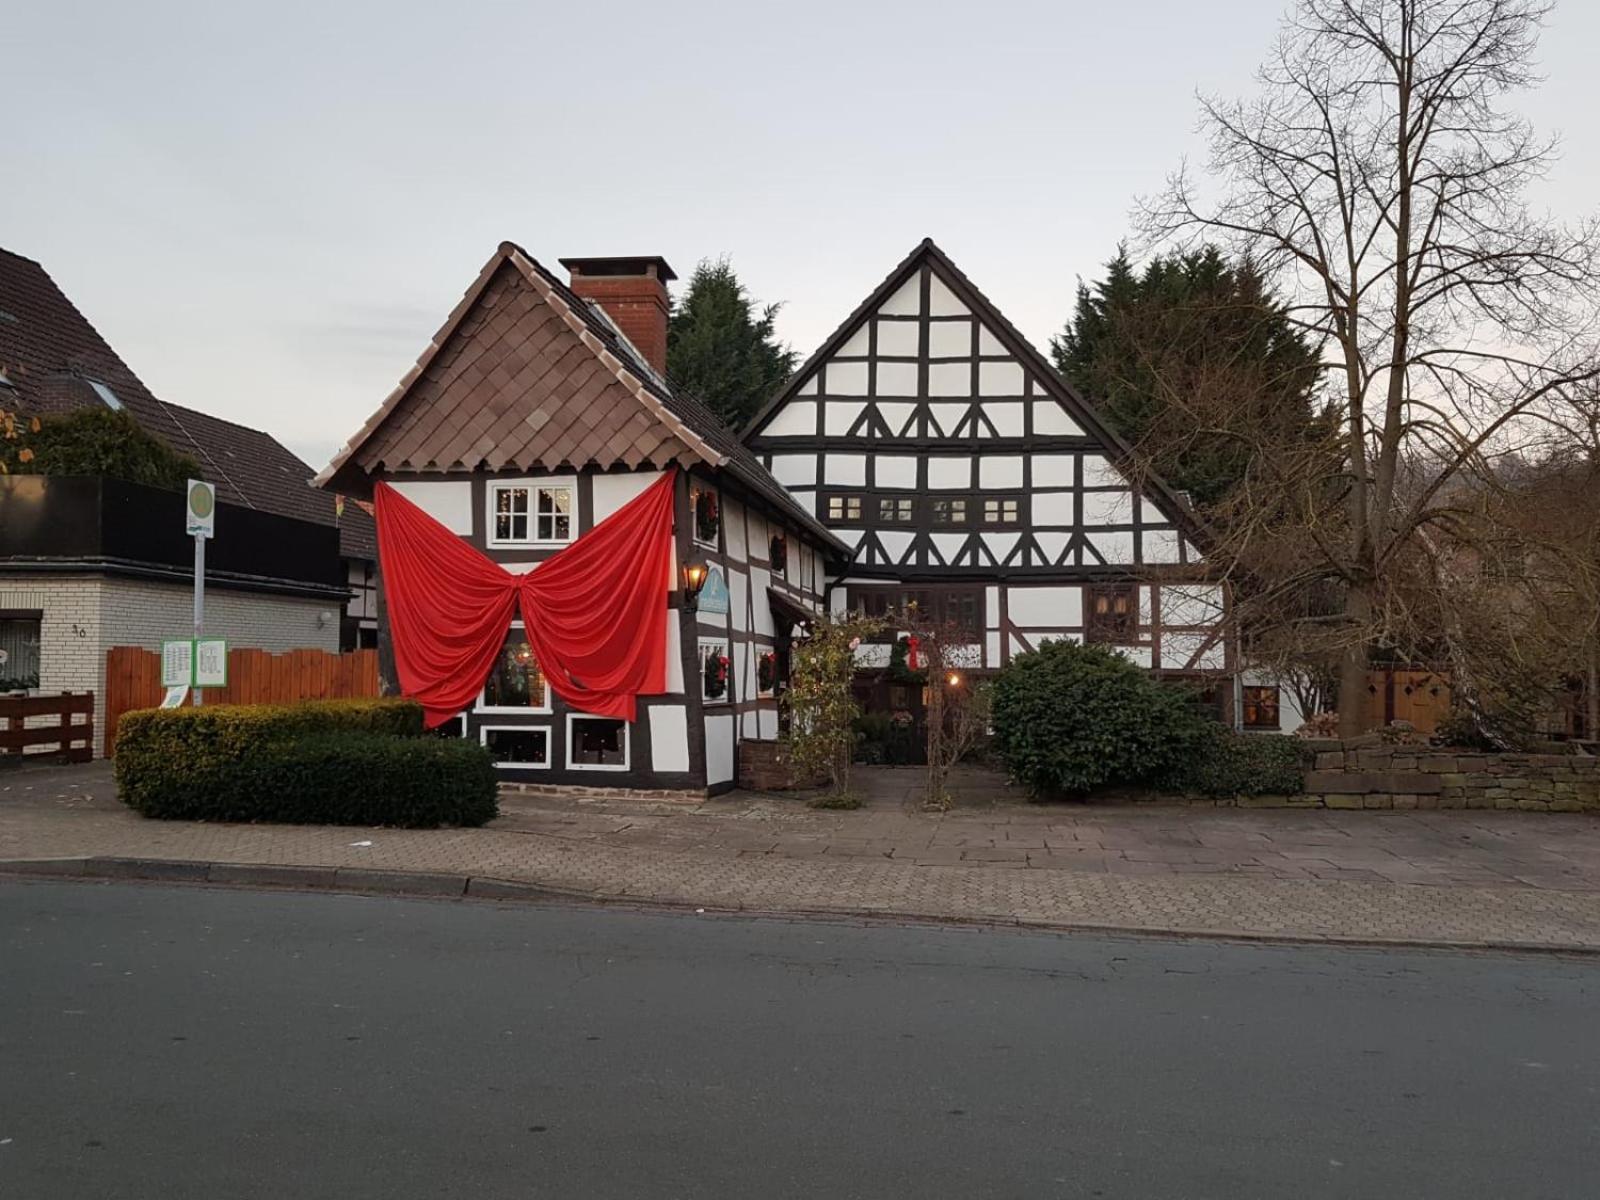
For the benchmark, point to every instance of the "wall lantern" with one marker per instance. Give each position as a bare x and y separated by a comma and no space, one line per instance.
953,679
694,578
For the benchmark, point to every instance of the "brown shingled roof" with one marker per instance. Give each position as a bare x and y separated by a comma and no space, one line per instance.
52,356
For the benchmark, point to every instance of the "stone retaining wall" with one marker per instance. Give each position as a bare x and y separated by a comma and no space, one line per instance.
1367,773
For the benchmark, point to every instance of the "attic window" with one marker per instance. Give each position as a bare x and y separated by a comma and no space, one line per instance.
107,396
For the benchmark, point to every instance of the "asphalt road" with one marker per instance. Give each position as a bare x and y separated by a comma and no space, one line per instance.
172,1042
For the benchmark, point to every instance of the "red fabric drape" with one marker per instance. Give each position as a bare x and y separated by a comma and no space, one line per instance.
595,612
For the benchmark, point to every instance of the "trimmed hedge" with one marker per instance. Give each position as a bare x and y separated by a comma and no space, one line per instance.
1243,764
1071,718
339,762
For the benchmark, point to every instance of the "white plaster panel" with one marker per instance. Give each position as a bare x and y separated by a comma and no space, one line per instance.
719,748
674,654
522,568
760,581
1139,656
1160,545
1044,607
895,470
1049,417
1053,470
948,545
809,387
669,738
856,345
738,598
1000,471
945,471
1052,508
950,339
612,491
733,517
845,469
447,501
991,649
846,378
743,667
1191,604
895,543
906,301
1050,544
942,301
1191,553
988,343
1000,379
767,724
1145,607
896,379
794,469
839,415
950,379
1178,648
898,339
991,605
747,726
999,544
1016,647
796,418
1115,547
805,498
1107,508
850,537
1006,416
896,415
947,417
1098,472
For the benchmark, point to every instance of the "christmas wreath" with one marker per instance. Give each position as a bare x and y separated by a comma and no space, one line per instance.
716,676
905,662
707,517
767,671
779,553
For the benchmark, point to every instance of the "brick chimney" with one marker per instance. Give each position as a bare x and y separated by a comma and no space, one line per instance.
633,291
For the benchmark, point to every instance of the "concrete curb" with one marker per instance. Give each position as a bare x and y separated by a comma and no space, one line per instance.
431,884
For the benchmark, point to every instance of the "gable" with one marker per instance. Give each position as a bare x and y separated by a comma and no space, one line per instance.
514,385
926,389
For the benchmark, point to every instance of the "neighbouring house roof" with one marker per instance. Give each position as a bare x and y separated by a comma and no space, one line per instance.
524,374
1081,410
55,361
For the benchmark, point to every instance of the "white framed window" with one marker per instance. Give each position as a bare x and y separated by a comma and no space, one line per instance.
716,671
515,683
596,743
524,746
531,512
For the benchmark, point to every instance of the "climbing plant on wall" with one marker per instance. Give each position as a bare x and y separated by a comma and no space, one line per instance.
821,707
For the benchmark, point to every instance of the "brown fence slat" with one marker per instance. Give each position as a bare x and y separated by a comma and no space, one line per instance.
73,739
133,679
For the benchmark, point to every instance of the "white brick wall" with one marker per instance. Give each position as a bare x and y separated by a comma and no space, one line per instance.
86,615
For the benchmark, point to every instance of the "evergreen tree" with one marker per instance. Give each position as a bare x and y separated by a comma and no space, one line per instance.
1192,333
721,349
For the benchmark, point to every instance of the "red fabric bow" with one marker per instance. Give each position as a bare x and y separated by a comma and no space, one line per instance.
913,658
595,612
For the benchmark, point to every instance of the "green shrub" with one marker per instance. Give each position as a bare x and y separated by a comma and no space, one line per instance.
1242,764
1071,718
98,441
231,729
342,778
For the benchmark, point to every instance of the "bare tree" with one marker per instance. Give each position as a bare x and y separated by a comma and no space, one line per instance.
1380,180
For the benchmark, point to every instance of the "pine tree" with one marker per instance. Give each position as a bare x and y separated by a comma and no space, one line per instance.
720,349
1142,346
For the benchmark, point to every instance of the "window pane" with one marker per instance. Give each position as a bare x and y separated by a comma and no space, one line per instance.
530,746
516,681
19,647
599,741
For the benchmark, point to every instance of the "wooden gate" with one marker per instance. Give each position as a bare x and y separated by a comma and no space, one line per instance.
133,679
1407,694
73,739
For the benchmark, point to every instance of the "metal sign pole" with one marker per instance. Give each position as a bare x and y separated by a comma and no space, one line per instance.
199,600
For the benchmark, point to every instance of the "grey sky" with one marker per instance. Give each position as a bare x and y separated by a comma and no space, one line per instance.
269,209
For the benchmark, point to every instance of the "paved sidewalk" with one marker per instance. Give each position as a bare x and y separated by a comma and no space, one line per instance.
1431,877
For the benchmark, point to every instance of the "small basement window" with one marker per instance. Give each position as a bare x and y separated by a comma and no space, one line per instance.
1261,707
532,514
596,743
517,747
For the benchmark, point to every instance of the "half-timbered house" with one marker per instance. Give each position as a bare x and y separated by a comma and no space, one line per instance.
540,408
968,476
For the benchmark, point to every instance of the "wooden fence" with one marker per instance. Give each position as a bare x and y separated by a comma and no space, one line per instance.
133,679
73,739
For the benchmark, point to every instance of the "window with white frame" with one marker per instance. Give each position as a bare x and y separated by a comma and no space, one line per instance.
715,673
596,743
526,512
517,745
516,683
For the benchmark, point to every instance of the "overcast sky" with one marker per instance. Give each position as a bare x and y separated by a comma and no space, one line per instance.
269,209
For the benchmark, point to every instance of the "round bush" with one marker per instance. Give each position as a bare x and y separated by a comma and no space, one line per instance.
1071,718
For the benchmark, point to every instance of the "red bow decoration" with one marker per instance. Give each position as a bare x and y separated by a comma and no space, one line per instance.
595,612
913,658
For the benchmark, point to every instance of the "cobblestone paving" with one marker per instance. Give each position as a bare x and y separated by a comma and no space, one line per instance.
1477,877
